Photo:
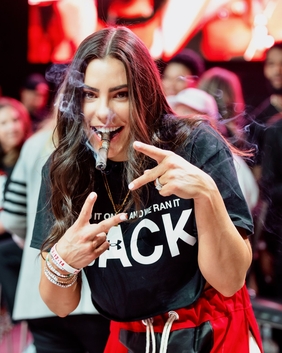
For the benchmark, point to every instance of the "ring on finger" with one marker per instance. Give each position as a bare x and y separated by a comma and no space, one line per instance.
158,184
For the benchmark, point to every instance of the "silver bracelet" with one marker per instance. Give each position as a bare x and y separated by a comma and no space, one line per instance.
53,279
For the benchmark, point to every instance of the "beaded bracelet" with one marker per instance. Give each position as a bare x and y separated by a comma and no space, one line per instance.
60,263
53,279
53,270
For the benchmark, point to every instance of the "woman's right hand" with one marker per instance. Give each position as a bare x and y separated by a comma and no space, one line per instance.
84,242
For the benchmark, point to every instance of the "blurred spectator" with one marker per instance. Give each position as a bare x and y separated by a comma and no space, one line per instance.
267,268
247,181
196,101
84,330
15,128
34,95
193,100
271,195
270,106
225,86
182,71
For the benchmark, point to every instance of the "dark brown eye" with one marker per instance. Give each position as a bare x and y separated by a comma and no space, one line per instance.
88,95
123,94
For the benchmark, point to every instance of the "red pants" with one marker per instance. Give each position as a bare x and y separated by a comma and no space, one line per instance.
214,324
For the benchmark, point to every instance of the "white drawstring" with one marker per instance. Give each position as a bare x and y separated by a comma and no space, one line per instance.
150,331
166,331
172,315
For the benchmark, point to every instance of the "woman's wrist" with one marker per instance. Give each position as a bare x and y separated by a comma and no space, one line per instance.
60,263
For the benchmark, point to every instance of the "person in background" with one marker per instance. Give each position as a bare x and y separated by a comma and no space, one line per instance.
225,86
34,94
83,331
157,222
260,117
196,101
268,264
271,193
182,71
15,128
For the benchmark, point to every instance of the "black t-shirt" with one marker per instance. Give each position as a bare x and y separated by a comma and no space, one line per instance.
151,266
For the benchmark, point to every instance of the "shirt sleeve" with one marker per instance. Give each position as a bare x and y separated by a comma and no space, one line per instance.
209,152
44,219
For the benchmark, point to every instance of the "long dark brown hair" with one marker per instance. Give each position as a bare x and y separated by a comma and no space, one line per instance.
151,121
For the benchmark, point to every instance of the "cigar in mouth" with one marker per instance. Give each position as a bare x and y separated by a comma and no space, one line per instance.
102,154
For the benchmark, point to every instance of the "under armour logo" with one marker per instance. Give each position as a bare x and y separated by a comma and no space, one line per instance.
116,244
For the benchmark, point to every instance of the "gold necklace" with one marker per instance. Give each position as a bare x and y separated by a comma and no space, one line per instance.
117,207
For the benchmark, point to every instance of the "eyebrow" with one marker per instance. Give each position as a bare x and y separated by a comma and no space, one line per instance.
110,90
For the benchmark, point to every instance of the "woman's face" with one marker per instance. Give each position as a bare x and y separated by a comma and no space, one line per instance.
273,67
106,105
12,130
176,78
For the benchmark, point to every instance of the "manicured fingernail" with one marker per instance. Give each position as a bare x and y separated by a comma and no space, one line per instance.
92,195
137,144
123,217
130,186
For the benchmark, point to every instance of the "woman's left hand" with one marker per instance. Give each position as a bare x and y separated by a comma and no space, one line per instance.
176,175
224,255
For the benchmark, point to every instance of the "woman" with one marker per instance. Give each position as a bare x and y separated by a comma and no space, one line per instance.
15,128
225,86
172,245
82,331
